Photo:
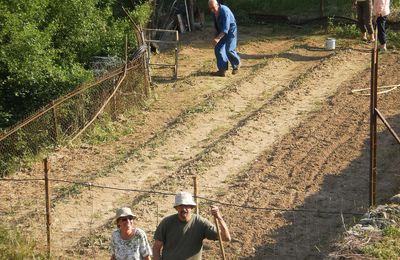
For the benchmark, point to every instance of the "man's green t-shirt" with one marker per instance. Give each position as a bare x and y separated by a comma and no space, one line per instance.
184,240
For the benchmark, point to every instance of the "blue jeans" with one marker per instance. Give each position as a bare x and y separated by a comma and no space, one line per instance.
381,24
225,51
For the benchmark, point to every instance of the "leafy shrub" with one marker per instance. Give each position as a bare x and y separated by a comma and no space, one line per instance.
46,48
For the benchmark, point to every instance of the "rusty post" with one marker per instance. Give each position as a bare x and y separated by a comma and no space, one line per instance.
373,123
157,214
321,8
195,194
375,116
47,196
55,122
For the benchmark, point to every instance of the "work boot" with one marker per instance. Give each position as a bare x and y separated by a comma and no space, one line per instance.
236,70
219,73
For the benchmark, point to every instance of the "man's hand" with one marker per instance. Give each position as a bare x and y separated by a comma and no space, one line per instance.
225,235
157,249
215,212
215,41
217,38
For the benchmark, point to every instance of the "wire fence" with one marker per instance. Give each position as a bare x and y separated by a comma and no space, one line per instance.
84,230
66,118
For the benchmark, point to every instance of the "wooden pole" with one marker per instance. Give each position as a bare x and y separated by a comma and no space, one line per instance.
55,122
221,246
187,16
47,196
321,8
146,60
191,13
195,194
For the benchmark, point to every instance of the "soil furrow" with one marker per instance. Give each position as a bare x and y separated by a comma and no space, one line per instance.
163,159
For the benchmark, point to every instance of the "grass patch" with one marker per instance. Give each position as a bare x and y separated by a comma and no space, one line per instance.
388,247
393,38
13,245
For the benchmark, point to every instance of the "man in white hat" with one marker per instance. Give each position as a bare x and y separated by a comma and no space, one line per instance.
180,236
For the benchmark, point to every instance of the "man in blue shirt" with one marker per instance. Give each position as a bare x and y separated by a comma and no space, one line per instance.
225,40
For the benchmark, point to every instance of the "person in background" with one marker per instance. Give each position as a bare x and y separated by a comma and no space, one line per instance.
381,11
364,16
128,242
180,236
225,39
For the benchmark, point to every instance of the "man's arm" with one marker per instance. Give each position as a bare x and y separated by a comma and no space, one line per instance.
218,37
157,249
225,234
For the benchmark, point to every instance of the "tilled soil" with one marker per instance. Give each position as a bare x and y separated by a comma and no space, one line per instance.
282,148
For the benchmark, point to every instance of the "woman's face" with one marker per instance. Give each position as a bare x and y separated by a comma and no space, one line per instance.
125,223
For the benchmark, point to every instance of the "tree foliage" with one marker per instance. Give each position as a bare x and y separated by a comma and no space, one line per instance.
46,48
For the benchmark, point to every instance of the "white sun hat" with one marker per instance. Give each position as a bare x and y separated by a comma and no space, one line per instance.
184,198
124,212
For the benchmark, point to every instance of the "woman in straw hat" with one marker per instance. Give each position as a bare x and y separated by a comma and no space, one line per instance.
128,242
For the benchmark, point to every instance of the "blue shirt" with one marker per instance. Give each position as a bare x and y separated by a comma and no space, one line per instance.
225,22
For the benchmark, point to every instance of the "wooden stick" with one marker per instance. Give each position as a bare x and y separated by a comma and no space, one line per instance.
221,246
195,194
187,16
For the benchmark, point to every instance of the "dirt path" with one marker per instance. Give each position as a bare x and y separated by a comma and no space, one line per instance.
283,134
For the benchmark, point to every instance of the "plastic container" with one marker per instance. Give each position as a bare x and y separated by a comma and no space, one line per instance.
330,44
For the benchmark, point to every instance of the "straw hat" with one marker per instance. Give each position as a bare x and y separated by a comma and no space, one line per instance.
124,212
184,198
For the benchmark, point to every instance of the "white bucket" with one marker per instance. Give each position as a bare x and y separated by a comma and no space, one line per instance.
330,44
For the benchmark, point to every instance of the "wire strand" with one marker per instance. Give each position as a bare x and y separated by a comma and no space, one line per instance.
93,185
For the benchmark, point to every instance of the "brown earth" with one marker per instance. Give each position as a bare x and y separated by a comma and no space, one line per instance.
282,148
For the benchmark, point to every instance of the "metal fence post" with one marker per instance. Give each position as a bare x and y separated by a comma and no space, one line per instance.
47,196
373,123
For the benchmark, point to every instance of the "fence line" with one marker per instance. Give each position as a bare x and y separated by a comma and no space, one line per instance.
94,185
66,117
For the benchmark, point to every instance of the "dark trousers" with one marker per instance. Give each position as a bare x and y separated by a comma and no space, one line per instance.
381,25
364,14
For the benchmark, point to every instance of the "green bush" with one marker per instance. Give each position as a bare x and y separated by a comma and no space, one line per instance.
46,48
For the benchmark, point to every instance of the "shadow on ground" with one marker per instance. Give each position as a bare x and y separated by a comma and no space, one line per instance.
337,204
